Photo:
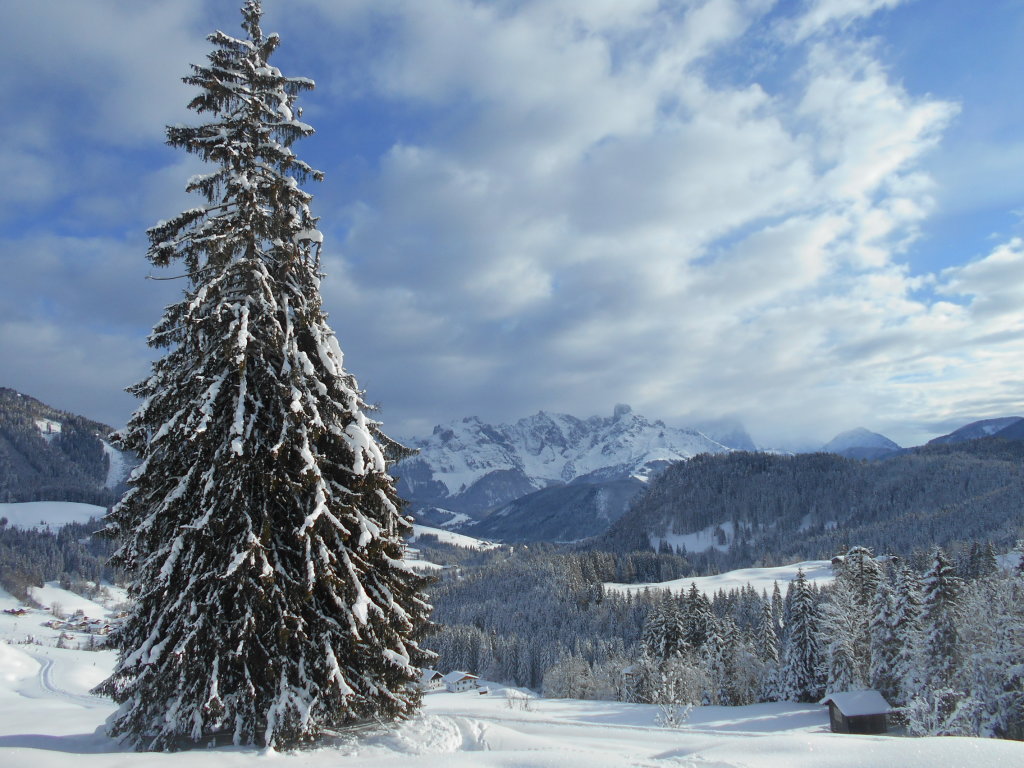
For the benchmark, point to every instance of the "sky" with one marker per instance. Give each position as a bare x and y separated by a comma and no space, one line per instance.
804,214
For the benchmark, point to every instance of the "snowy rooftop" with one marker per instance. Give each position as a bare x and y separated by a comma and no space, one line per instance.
855,703
454,677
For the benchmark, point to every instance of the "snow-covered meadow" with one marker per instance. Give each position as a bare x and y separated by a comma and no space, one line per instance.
48,515
48,719
762,579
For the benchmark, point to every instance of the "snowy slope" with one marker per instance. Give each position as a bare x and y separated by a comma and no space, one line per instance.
818,571
48,719
48,515
450,537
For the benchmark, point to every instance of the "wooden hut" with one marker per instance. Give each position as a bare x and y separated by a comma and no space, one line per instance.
857,712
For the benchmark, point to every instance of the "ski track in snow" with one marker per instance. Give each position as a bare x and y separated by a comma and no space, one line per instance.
49,685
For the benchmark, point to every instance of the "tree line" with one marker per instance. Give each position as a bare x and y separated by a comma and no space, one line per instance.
944,644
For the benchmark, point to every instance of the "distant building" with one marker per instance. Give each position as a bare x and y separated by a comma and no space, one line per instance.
460,681
431,680
857,712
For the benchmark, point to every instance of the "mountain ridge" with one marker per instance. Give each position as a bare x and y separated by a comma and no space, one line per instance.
474,468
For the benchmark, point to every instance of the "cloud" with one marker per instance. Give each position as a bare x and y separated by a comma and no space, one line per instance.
556,204
836,15
609,222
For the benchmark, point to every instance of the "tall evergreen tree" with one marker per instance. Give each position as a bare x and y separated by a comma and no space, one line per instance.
800,677
262,530
939,647
906,629
883,647
840,626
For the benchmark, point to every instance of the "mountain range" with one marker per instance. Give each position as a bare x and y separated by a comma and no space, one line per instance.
546,477
568,477
555,477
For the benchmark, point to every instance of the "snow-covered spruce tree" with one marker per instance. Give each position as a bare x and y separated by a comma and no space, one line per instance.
940,646
262,529
800,679
906,630
882,671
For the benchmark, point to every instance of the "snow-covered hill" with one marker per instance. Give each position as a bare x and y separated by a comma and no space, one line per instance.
48,719
469,466
816,571
48,515
450,537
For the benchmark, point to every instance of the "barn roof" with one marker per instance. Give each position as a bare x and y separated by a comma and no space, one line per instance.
856,703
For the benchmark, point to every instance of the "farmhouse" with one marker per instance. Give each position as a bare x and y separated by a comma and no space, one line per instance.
460,681
431,680
857,712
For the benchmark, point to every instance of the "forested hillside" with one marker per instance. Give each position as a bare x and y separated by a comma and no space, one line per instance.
742,509
51,455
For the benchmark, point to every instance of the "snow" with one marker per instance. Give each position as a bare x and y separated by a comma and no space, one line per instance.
48,515
701,541
818,571
458,518
48,719
554,448
448,537
117,471
48,428
51,594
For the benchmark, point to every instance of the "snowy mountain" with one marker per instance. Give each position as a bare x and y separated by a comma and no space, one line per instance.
977,429
860,443
473,468
52,455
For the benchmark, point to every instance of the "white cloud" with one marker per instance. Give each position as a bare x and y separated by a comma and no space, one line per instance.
582,212
607,223
830,15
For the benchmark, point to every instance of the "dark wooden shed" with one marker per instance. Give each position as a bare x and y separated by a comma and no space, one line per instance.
858,712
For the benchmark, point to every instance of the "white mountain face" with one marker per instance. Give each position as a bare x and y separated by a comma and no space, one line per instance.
470,466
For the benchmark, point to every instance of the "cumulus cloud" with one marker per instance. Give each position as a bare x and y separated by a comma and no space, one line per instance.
610,222
565,204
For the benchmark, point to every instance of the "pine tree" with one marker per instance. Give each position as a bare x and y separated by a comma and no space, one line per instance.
262,530
940,644
906,630
800,679
767,641
839,629
664,634
883,646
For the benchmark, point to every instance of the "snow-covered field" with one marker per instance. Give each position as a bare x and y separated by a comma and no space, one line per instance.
818,571
450,537
48,719
48,515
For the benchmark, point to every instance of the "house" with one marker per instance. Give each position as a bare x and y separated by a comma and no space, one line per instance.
460,681
431,680
857,712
